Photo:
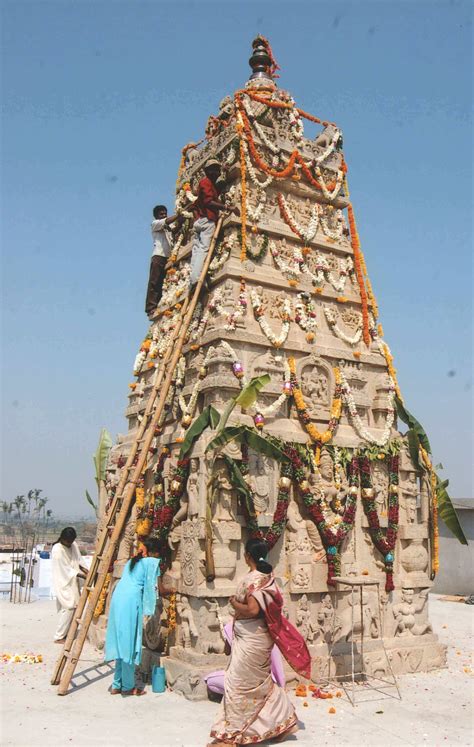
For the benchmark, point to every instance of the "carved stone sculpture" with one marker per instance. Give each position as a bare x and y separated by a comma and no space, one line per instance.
192,490
405,613
188,628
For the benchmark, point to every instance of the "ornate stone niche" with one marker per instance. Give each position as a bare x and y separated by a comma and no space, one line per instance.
381,401
409,493
317,383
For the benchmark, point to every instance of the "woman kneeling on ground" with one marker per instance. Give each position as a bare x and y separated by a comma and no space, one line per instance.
254,708
134,596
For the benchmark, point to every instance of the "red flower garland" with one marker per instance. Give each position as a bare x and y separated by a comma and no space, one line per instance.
383,539
333,538
274,532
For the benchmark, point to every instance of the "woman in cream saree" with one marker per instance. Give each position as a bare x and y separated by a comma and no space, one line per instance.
254,708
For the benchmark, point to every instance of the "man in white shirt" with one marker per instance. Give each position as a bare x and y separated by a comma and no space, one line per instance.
161,252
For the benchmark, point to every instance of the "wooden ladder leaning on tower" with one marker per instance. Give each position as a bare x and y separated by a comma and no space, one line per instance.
119,509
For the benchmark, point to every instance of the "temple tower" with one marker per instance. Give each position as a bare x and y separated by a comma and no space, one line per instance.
287,295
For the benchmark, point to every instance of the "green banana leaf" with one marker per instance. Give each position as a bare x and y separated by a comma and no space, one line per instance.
262,445
238,482
414,449
412,423
251,437
102,454
249,393
237,478
447,512
231,433
245,399
209,418
90,501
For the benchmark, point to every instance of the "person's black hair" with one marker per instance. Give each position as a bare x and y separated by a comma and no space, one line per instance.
258,551
68,533
157,210
152,547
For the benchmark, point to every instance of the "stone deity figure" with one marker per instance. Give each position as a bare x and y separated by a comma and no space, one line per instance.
228,295
224,511
410,494
327,624
404,613
354,622
188,627
296,528
260,485
192,489
303,620
380,485
324,482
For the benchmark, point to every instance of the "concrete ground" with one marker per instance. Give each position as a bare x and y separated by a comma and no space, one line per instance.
436,708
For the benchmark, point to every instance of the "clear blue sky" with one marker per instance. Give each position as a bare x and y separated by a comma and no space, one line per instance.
99,98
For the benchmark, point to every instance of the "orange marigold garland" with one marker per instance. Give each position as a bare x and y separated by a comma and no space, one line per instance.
359,274
365,274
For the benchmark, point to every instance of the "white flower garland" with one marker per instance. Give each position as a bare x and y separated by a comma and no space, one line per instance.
330,148
346,266
215,306
253,120
326,192
334,234
305,313
252,172
139,361
223,254
161,337
323,272
355,417
198,324
276,340
292,268
188,408
331,317
174,286
296,121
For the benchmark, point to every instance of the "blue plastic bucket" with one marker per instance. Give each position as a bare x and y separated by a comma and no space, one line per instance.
158,680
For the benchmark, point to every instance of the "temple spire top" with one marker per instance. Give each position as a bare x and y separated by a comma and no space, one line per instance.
262,62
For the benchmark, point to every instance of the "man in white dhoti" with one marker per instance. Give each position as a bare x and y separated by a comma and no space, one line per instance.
66,568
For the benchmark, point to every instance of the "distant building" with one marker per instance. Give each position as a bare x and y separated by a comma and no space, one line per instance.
456,561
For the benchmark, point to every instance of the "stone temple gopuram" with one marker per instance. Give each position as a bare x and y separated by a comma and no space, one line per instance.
287,294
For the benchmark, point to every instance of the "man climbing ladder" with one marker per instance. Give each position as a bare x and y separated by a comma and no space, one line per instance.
123,499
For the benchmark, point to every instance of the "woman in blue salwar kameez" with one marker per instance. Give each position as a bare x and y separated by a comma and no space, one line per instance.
134,596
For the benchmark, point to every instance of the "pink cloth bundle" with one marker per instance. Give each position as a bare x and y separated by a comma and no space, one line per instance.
215,680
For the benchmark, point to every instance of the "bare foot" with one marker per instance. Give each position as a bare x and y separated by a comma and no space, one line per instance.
115,691
62,641
286,733
137,691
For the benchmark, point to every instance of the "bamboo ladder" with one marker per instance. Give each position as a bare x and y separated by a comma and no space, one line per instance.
119,509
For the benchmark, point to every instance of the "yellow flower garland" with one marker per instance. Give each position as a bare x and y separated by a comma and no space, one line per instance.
100,606
318,437
392,371
434,505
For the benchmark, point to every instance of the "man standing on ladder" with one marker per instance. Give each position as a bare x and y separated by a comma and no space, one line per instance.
206,209
161,251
